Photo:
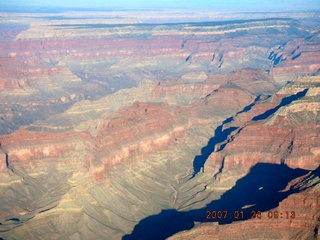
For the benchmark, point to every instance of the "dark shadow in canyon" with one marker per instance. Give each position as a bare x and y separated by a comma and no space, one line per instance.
262,189
285,101
248,108
220,135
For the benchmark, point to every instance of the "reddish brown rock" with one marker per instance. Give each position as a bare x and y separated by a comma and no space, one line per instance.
114,116
30,149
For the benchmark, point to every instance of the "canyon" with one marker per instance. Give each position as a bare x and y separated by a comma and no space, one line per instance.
135,125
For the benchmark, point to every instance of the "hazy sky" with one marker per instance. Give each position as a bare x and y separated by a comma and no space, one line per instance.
240,5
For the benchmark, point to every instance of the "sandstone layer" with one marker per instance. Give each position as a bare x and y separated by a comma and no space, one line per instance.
48,63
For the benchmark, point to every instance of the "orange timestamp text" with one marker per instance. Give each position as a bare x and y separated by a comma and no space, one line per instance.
225,214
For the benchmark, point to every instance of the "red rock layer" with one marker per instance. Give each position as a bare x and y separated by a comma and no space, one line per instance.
25,148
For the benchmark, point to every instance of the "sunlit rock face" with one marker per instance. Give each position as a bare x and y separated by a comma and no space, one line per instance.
49,63
109,126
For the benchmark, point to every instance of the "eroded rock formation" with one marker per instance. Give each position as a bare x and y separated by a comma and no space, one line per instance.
108,129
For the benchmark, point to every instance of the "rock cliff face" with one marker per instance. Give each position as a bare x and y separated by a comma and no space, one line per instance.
279,138
48,64
114,129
